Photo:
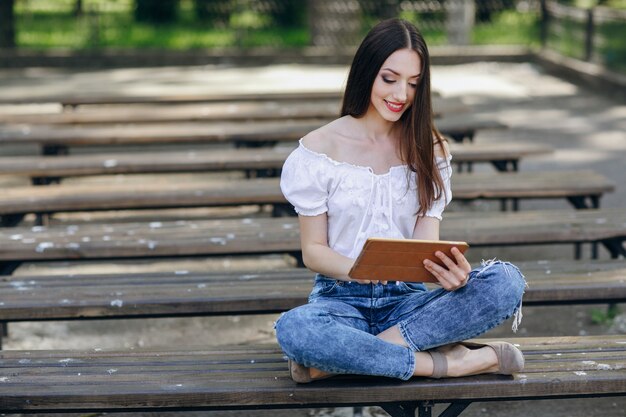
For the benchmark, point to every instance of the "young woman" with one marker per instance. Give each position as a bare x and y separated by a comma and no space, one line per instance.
383,170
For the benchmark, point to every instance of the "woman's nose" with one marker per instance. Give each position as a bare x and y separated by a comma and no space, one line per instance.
400,93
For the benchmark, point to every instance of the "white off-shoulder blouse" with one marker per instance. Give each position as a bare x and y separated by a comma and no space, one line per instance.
359,203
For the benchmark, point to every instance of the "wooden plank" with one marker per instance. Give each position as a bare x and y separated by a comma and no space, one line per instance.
162,379
167,194
218,112
204,132
108,99
218,159
263,235
287,130
535,184
180,292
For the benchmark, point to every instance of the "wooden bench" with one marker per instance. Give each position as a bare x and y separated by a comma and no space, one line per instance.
91,99
58,139
256,162
217,111
183,293
582,188
276,235
256,377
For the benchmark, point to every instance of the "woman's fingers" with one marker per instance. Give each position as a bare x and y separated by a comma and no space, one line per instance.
461,260
440,274
453,275
452,266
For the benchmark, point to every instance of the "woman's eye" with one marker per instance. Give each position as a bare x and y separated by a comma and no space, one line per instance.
388,81
413,85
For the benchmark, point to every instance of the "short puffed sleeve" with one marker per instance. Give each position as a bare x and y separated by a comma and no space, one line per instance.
304,182
445,169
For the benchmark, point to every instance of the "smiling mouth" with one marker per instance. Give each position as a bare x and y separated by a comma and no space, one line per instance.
394,107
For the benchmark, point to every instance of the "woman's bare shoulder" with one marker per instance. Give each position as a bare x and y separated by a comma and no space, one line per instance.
323,139
442,148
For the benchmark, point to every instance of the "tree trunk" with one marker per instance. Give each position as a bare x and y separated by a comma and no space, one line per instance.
459,21
78,8
7,24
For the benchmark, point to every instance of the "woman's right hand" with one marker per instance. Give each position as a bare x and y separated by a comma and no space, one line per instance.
455,273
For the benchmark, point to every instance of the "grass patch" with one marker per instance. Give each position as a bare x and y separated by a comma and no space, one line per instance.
43,24
508,28
117,29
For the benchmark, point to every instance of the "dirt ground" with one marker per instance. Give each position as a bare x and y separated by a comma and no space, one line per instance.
585,129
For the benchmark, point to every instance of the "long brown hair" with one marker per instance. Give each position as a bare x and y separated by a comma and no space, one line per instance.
417,131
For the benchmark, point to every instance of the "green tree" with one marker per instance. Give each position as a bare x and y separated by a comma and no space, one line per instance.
160,11
486,8
78,8
289,13
381,9
213,11
7,24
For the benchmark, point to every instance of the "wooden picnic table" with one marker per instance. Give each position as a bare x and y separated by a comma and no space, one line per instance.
217,112
504,156
281,235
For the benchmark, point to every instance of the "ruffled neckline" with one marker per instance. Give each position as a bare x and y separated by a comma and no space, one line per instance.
359,167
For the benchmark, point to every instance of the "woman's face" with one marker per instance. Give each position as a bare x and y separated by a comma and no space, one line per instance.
394,88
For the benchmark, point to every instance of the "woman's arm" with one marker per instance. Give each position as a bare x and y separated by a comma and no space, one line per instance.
456,271
426,228
318,256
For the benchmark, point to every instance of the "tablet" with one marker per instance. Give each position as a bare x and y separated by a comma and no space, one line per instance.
400,259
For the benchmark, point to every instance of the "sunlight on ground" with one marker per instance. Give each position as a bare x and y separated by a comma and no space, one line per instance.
609,141
450,84
491,79
580,158
180,80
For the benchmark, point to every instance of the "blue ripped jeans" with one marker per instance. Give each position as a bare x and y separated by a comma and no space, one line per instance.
336,331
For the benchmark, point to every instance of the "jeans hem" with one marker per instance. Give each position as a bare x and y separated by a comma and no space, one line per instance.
411,369
406,337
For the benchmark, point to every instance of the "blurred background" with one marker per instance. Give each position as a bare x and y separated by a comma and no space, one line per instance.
589,30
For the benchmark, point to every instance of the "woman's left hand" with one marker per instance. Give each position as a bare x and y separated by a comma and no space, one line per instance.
456,272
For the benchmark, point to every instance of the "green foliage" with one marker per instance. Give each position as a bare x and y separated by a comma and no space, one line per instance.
213,11
247,19
611,48
117,29
290,14
508,27
223,23
161,11
605,317
568,38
